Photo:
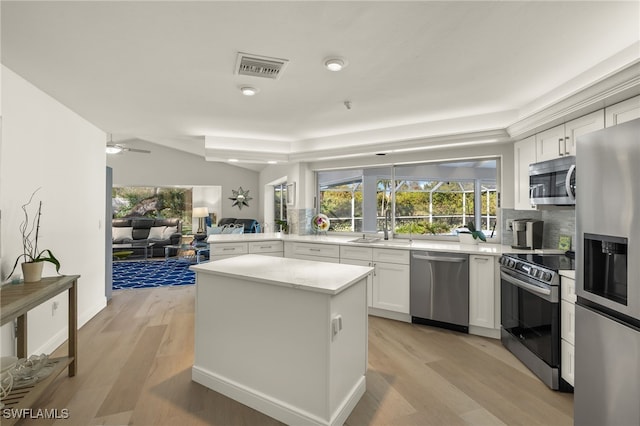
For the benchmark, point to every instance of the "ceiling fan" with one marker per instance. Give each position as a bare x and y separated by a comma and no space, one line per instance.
115,148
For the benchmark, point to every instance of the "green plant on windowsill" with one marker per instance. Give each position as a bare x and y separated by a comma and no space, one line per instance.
30,230
284,225
474,232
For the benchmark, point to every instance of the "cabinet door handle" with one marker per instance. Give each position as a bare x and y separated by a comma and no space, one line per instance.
481,259
560,150
566,138
314,249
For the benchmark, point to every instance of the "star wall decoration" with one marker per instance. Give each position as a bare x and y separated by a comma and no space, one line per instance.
240,198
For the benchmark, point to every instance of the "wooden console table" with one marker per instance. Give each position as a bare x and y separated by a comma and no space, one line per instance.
18,299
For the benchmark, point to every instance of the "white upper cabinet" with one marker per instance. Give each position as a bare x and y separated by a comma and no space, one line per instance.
524,153
550,144
623,111
560,141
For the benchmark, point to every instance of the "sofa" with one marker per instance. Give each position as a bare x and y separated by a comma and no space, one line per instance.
162,232
250,226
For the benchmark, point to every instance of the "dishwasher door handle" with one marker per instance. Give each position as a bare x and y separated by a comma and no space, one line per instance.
440,258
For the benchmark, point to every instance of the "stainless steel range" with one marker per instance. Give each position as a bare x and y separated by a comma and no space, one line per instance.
530,312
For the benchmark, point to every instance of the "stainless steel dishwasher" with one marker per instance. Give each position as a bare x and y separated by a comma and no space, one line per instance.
440,289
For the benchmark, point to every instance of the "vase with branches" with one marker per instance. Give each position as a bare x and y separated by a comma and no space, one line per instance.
30,230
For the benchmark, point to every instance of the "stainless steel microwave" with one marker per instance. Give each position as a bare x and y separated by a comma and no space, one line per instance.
553,182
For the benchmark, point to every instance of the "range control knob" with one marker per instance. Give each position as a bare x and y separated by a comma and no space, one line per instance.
534,272
546,276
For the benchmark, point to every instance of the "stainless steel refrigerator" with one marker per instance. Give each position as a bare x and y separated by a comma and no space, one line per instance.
607,375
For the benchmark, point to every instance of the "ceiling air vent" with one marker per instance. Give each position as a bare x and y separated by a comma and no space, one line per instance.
260,66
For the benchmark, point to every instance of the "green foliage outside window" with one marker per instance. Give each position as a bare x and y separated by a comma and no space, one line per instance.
154,203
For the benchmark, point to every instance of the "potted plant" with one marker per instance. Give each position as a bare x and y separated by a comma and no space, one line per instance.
31,254
284,225
471,235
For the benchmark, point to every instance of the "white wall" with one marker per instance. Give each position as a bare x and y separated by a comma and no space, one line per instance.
44,144
209,197
169,167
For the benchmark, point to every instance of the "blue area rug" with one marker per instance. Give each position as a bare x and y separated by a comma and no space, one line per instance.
147,274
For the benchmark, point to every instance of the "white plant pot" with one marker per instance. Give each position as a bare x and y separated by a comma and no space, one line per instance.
32,271
467,239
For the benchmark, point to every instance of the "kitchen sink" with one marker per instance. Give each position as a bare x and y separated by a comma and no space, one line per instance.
365,240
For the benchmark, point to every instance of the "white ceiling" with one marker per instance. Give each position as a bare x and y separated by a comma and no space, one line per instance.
164,71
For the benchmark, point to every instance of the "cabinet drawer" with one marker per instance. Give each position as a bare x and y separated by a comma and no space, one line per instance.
356,253
266,247
228,249
322,250
391,256
567,321
568,289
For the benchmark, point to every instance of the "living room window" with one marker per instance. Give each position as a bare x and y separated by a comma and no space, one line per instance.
155,202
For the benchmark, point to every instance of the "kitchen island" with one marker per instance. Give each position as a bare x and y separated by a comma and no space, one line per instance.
283,336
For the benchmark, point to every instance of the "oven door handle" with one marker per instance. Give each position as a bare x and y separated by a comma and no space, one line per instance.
545,292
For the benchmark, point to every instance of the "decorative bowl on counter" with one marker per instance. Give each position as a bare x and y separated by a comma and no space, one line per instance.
320,223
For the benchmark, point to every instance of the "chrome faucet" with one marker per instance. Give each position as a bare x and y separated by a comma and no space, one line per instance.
387,219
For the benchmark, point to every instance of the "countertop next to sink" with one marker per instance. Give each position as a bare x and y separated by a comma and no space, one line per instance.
401,244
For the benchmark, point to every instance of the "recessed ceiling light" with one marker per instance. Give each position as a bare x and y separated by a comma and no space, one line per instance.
272,162
233,160
335,64
248,91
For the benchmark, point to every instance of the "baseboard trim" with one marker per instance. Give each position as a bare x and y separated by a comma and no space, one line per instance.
349,403
398,316
63,334
484,332
272,407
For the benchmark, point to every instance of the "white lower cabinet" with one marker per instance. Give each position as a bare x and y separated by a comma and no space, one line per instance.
312,251
388,287
391,280
391,287
481,291
267,248
568,361
359,256
567,328
219,251
369,278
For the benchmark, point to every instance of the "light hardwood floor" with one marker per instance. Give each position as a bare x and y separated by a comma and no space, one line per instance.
135,361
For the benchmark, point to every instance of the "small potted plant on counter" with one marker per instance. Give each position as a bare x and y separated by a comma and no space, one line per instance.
471,235
33,257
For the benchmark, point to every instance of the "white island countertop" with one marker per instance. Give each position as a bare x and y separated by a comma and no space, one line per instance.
295,273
